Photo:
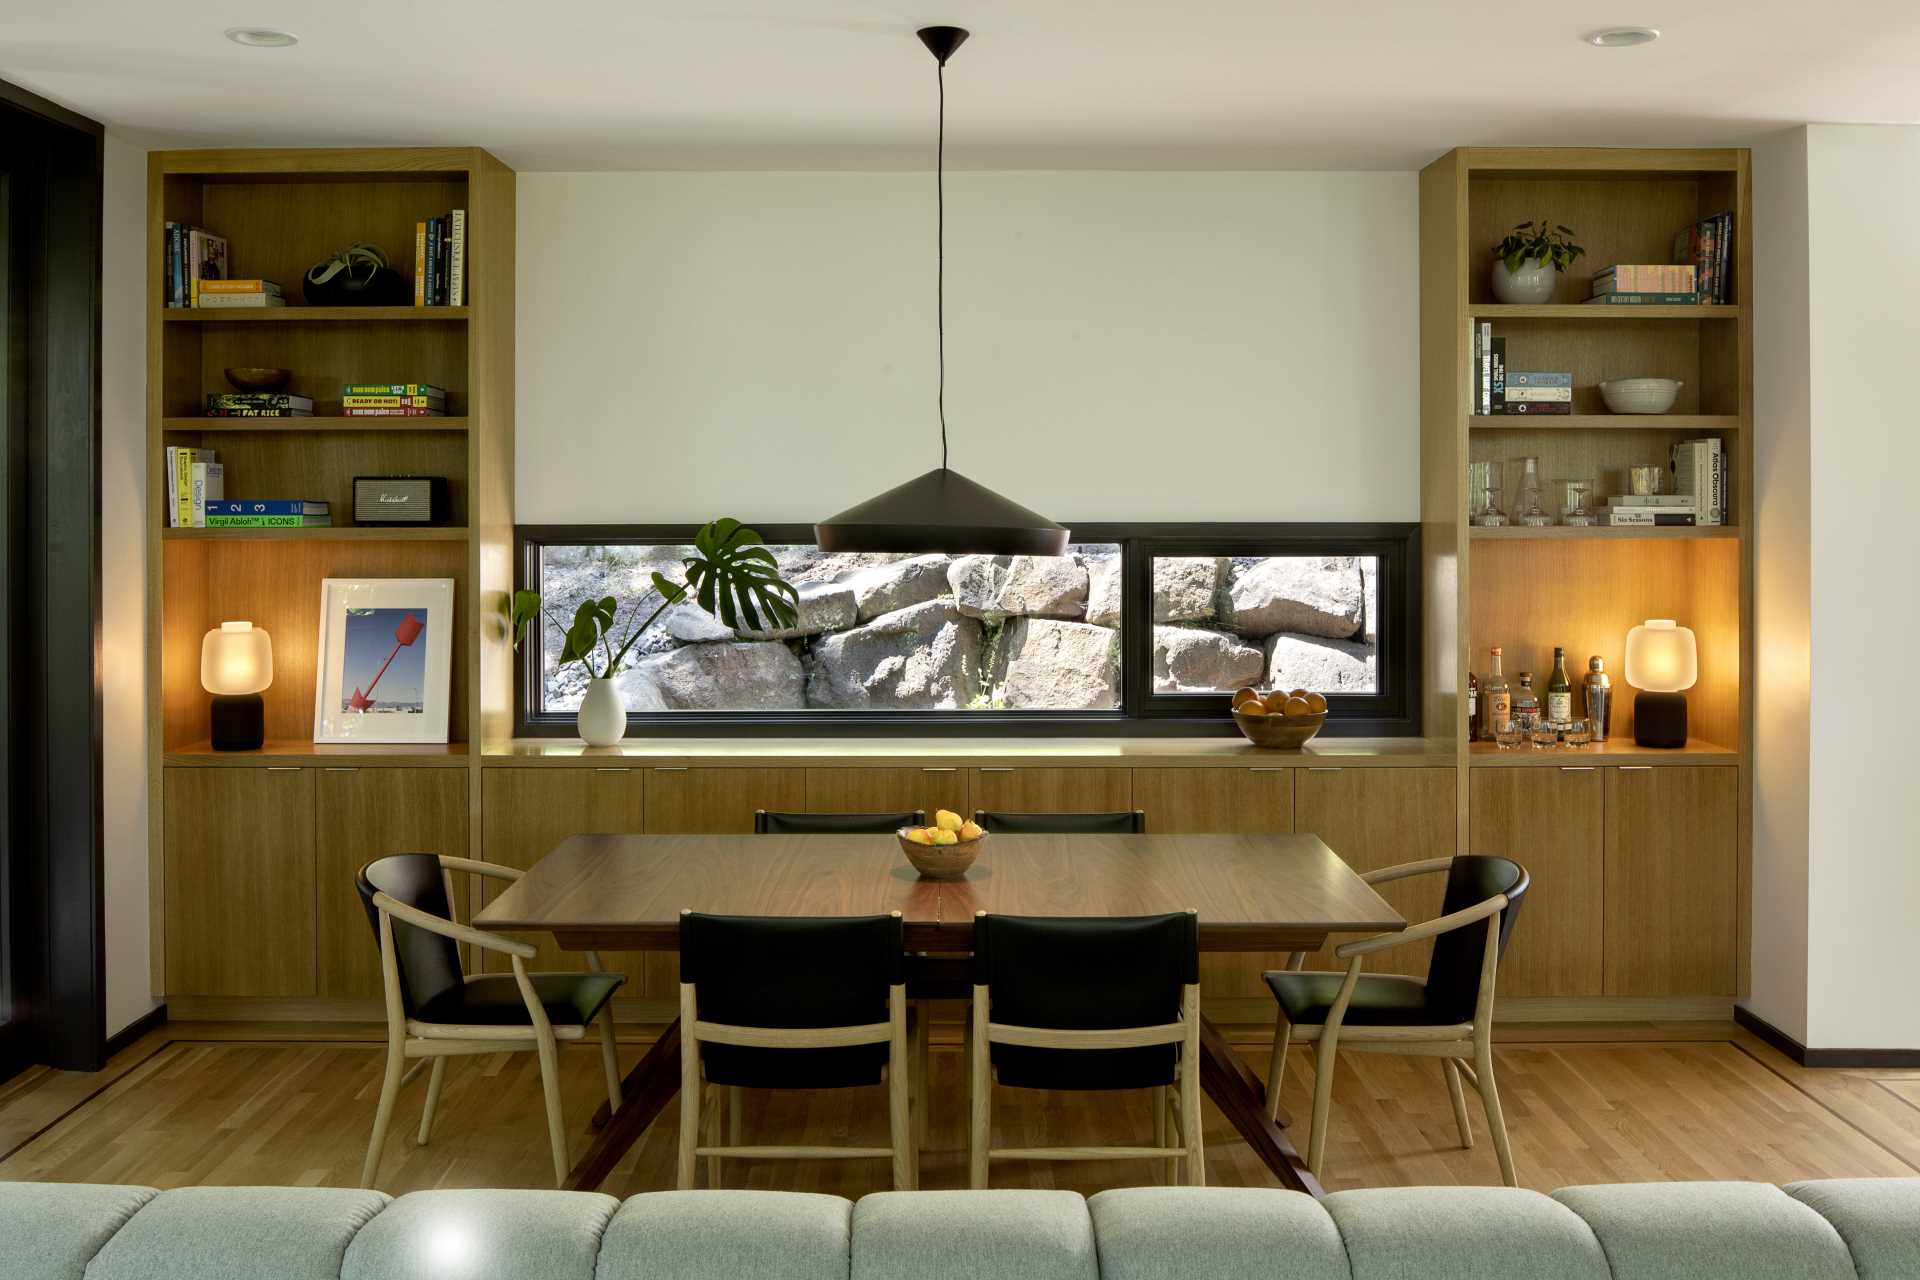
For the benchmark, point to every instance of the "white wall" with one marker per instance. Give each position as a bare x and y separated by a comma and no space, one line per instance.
1838,541
123,559
1121,346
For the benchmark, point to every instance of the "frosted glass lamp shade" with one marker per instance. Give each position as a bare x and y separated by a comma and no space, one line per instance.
1661,657
236,659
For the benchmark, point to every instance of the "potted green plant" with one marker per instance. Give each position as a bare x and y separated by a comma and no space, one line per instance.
730,574
1529,259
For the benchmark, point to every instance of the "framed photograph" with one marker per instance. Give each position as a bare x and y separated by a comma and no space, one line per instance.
385,660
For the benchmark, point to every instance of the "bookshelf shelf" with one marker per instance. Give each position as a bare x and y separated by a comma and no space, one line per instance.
1699,422
279,754
342,533
1520,533
1581,311
314,315
295,426
1615,751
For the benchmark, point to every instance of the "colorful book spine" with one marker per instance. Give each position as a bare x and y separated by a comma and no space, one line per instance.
419,264
208,482
234,301
433,261
266,507
175,274
393,389
269,522
180,482
201,287
1644,299
1647,518
1538,395
1534,378
1646,278
1499,396
457,260
1651,500
257,400
245,411
350,412
393,402
1537,408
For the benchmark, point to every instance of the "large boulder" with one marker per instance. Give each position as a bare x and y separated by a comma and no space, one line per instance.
690,624
896,586
1048,665
638,692
1103,591
1184,587
822,606
1307,595
976,583
1194,660
726,676
1320,664
923,657
1045,587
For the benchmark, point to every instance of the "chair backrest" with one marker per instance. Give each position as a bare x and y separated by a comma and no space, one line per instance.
1131,822
834,824
429,963
1453,975
1084,973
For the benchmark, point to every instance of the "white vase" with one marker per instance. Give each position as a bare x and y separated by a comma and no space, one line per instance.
602,720
1533,283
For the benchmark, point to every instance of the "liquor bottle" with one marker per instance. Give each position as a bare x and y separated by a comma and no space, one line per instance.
1559,690
1525,701
1599,698
1473,707
1496,700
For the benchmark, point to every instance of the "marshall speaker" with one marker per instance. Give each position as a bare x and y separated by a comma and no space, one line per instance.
399,499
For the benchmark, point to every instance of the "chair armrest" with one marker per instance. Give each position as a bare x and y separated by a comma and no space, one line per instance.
448,929
1405,869
491,870
1424,930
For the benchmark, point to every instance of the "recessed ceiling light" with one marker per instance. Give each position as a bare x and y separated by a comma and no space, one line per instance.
262,37
1621,37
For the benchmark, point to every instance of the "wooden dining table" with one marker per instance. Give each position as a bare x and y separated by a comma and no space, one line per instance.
1253,893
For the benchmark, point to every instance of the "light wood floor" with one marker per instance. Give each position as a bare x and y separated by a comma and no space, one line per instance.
222,1103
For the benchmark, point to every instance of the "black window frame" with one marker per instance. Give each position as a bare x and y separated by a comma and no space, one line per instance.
1392,712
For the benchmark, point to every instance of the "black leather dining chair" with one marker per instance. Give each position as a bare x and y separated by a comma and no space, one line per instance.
1088,1003
775,823
1448,1015
436,1011
787,1002
1129,822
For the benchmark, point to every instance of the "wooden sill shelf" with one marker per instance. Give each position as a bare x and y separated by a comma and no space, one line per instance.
294,753
1616,751
1604,422
1583,311
314,424
343,533
309,315
1525,532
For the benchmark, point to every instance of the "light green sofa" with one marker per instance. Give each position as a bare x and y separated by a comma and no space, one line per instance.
1839,1230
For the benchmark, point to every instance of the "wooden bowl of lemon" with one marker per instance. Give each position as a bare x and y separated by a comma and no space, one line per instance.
1280,720
944,850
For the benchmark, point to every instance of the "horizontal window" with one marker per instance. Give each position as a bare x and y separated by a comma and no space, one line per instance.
1139,628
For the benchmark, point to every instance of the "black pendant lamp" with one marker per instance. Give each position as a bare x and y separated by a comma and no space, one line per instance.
942,510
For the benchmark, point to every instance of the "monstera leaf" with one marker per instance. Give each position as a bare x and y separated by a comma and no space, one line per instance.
736,579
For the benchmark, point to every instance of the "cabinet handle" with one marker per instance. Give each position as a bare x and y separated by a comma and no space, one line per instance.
669,768
941,769
617,768
1576,768
1324,768
1269,768
283,768
997,768
342,768
1635,768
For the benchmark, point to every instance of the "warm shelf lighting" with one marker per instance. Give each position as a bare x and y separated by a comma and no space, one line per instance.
1662,662
236,664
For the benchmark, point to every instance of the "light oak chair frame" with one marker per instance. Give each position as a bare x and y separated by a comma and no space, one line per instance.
700,1113
1453,1044
1183,1116
438,1041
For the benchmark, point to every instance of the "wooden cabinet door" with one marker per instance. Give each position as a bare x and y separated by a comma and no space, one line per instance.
1380,817
886,790
363,814
1230,799
239,881
1672,872
524,813
1552,822
1047,790
693,802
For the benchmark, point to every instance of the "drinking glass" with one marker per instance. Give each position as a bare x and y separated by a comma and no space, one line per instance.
1508,734
1576,497
1544,734
1483,495
1527,509
1579,733
1644,482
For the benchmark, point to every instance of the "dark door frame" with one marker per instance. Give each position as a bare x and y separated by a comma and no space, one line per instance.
51,750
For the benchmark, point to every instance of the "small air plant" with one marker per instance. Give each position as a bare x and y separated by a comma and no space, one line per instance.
1532,241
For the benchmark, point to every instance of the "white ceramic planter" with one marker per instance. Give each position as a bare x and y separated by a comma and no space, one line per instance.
602,720
1533,283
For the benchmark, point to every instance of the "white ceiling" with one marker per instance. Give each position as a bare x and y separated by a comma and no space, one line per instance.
627,84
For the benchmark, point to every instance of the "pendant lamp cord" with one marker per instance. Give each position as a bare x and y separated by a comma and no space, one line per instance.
940,249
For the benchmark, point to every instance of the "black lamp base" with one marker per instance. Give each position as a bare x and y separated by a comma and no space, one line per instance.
1660,719
239,721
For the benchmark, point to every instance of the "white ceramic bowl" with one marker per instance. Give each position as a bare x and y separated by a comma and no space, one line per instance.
1640,395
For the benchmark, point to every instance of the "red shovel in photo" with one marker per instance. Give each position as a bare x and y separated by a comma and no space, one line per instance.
403,635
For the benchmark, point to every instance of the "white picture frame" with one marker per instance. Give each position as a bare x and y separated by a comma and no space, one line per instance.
384,660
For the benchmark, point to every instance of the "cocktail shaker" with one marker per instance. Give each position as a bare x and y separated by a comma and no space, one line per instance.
1599,688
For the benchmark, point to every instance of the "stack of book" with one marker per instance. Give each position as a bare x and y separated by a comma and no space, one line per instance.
1701,475
440,261
236,293
258,404
392,400
1648,284
269,513
1533,391
1707,246
193,476
1489,369
1651,509
193,254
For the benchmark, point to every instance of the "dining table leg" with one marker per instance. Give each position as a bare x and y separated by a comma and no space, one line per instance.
645,1092
1242,1100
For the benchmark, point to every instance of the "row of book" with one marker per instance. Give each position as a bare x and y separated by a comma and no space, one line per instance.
193,254
357,400
1707,246
1498,390
1646,284
196,498
236,293
440,261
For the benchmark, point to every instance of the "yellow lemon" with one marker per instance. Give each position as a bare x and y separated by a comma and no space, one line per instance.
919,835
947,820
944,836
